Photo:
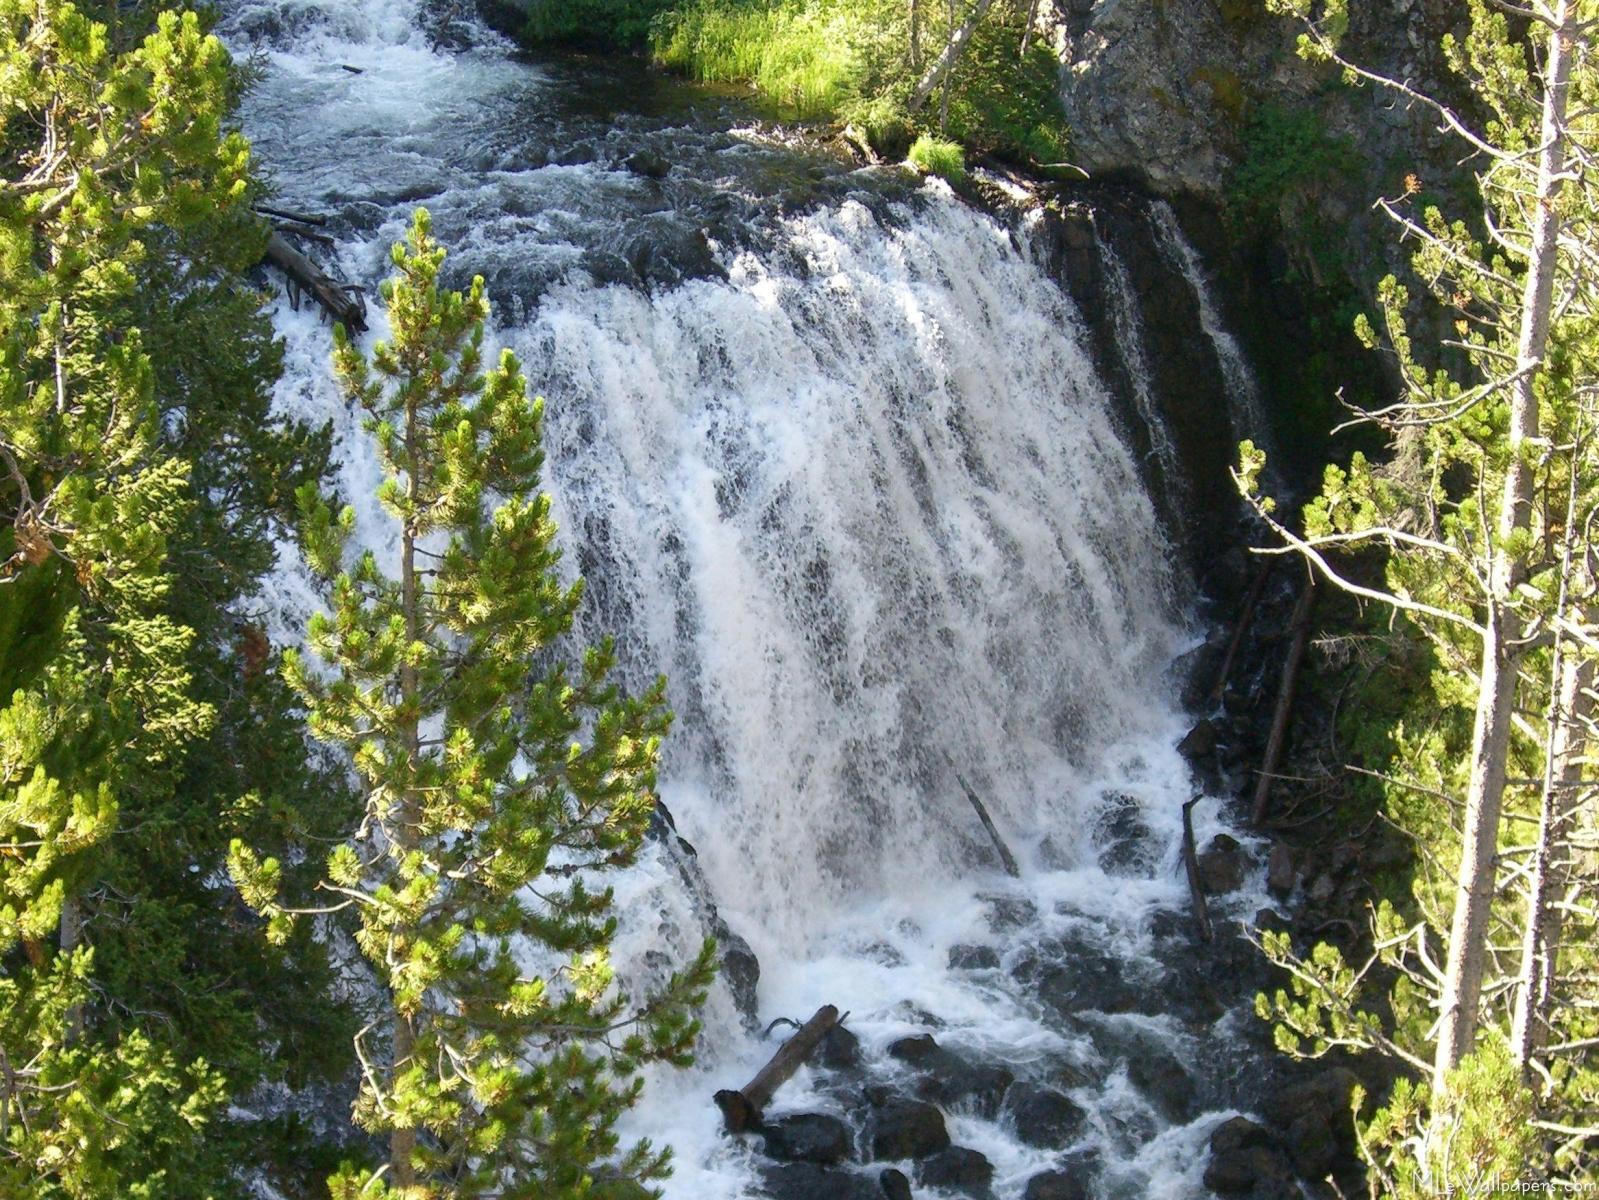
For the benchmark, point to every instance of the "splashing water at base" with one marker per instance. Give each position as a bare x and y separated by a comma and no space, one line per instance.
852,481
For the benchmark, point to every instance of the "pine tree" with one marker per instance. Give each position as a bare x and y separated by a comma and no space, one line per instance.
119,181
498,781
1493,471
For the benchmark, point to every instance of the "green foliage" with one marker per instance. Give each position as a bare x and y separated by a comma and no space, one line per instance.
936,157
848,60
624,23
1284,149
487,766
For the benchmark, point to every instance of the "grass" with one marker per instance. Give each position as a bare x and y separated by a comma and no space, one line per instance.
937,157
801,55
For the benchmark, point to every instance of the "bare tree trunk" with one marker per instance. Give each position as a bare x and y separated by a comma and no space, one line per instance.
1570,710
916,35
1500,653
1027,28
402,1142
946,61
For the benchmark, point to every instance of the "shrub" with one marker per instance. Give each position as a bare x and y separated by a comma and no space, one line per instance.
937,157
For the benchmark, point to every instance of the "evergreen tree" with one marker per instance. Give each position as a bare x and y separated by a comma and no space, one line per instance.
497,782
1493,473
136,733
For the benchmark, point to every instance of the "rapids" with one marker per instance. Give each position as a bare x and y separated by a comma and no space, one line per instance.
831,450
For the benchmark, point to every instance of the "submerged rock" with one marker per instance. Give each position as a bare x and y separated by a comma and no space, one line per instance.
951,1079
1056,1185
901,1128
958,1169
807,1137
839,1049
1042,1116
1222,865
808,1181
973,958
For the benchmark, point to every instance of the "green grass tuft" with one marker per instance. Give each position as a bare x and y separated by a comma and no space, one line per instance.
937,157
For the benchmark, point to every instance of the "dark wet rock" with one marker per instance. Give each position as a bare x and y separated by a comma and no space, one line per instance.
1245,1161
1043,1117
807,1137
1056,1185
958,1169
1199,743
952,1079
1077,977
1325,1096
740,969
1196,671
838,1050
1239,1133
1280,870
1152,1067
650,164
973,958
1269,920
894,1184
1009,912
1312,1145
901,1128
1222,864
1121,834
808,1181
1322,890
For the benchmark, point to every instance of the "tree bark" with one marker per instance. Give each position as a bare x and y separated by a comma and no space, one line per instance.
1501,654
339,301
1191,867
916,35
742,1109
1300,626
946,61
1552,868
1006,858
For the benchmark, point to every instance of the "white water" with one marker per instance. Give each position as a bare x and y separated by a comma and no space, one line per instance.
1126,321
863,501
1249,416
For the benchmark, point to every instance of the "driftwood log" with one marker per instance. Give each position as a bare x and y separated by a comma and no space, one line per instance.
1246,617
1300,627
339,300
741,1109
1191,865
1006,858
289,214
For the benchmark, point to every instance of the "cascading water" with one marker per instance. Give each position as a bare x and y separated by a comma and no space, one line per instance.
832,453
1249,417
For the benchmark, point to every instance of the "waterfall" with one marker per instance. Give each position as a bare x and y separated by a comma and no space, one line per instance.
1126,323
852,480
1249,415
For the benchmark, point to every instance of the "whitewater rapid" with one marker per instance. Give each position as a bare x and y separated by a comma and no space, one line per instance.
838,461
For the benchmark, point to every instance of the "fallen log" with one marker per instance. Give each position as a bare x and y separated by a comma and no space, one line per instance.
309,233
1246,617
1006,859
1300,625
288,214
1191,866
339,300
741,1109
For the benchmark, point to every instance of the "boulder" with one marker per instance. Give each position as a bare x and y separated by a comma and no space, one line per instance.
1257,1171
1056,1185
958,1169
1121,835
1280,870
1319,1108
951,1079
894,1184
807,1137
901,1128
1199,743
973,958
1239,1133
809,1181
649,164
839,1049
1222,864
1043,1117
741,969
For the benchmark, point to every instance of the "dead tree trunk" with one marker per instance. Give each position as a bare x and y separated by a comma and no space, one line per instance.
1300,627
1246,617
741,1109
946,61
339,300
1191,866
1006,858
1501,653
